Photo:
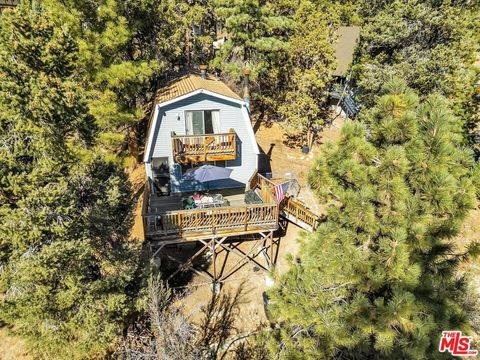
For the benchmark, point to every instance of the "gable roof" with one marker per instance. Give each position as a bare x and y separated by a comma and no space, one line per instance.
192,83
344,46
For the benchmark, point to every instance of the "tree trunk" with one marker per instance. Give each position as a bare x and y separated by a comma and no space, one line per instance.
132,142
310,137
187,46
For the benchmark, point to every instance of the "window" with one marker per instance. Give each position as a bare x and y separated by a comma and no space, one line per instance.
202,122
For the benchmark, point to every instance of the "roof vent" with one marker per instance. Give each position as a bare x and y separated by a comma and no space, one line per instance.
203,71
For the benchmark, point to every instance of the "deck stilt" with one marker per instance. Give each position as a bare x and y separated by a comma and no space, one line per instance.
264,244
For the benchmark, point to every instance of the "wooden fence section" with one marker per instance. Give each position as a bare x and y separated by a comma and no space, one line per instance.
208,147
298,213
292,209
266,189
146,197
222,220
4,4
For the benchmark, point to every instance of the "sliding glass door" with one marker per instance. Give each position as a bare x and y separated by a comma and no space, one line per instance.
202,122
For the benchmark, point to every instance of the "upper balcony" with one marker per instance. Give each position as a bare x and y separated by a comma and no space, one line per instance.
206,147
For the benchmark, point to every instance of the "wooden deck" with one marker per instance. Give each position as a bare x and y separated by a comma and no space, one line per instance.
204,223
220,229
5,4
165,220
291,209
201,148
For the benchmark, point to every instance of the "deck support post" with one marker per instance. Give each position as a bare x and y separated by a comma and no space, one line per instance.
262,244
214,261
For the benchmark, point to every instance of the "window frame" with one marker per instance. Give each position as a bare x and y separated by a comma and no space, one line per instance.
203,119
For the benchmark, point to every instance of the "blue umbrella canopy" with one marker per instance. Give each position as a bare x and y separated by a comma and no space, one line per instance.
206,173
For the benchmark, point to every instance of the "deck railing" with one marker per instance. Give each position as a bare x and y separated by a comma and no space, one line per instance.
252,182
266,189
207,147
220,220
300,212
196,223
293,208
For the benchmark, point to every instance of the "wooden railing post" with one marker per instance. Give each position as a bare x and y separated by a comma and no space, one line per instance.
213,221
201,146
204,148
246,218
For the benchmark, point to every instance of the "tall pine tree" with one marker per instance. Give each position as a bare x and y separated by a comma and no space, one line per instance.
378,279
125,47
430,44
66,264
307,69
256,30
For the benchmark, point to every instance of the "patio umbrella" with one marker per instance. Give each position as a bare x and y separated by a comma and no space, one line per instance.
207,173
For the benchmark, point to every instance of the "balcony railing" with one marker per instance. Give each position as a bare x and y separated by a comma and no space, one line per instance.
207,147
215,221
295,211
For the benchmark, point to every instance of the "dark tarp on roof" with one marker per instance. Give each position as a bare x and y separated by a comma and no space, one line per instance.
344,46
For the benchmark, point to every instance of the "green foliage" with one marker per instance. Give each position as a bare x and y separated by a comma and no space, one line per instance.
378,279
287,45
308,68
67,267
256,30
430,44
124,47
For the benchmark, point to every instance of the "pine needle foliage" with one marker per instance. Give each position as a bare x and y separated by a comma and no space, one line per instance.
257,30
66,267
378,279
432,45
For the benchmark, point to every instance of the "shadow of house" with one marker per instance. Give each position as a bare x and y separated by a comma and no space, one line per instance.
265,159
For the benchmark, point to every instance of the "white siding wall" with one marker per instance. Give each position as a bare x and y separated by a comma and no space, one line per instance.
231,116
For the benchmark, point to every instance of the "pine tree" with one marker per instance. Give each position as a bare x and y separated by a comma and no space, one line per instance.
125,47
307,71
67,269
256,31
378,279
430,44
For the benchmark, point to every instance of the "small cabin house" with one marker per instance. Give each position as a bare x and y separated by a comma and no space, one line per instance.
199,120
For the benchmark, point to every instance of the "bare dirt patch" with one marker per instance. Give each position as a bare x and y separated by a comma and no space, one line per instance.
469,233
12,347
136,176
249,278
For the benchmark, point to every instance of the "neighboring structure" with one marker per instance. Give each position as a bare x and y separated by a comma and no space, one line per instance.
344,46
343,92
199,120
5,4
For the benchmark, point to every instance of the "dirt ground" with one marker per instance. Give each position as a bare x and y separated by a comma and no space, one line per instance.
469,233
136,177
12,347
